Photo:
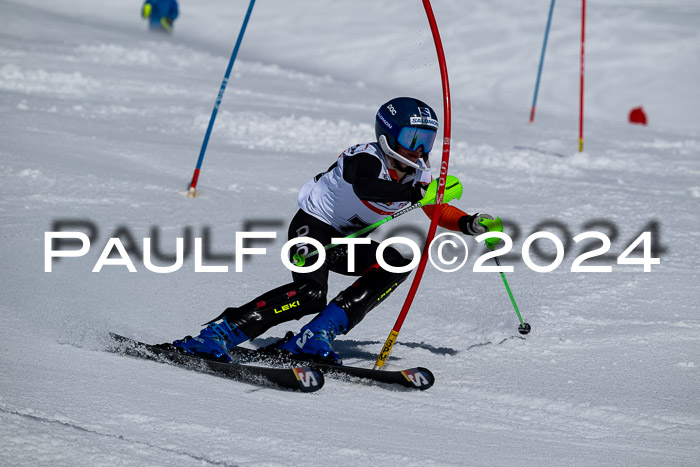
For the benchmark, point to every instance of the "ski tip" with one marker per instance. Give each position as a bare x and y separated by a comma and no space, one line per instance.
419,377
117,342
309,379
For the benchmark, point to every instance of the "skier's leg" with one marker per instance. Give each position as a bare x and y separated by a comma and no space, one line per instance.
368,291
347,309
237,325
290,301
306,295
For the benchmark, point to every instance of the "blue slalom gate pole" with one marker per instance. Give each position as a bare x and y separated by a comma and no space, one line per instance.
193,185
539,70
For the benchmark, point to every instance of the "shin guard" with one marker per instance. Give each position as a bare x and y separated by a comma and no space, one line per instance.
290,301
373,287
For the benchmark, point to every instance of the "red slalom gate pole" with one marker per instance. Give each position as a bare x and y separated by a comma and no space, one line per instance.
393,335
583,55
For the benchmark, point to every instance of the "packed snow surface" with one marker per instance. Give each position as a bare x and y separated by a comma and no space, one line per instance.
102,123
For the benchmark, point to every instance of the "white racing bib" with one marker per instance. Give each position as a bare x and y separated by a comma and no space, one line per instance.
331,199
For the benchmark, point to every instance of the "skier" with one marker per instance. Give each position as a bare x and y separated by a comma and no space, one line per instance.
367,183
160,14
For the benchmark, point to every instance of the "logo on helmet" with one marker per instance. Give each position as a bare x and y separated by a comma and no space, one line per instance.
424,119
384,120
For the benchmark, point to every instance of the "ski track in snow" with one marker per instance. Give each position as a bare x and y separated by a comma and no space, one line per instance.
101,448
102,123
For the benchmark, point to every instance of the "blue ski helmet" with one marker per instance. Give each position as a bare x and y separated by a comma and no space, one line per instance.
409,123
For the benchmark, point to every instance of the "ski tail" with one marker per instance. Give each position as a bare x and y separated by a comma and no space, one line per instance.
300,378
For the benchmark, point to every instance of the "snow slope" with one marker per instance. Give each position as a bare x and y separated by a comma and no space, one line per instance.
102,123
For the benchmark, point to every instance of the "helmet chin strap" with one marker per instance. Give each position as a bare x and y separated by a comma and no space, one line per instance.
394,155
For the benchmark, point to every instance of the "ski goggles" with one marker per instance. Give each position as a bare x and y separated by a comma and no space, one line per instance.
413,138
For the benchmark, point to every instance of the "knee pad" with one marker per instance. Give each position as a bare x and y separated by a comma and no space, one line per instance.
372,288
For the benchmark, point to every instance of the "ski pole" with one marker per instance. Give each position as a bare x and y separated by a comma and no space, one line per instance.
523,327
496,225
193,184
453,190
539,69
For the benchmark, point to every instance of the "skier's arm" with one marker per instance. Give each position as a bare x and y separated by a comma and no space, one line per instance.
362,172
449,216
453,218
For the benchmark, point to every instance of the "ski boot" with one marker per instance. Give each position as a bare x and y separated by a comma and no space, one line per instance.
213,342
314,340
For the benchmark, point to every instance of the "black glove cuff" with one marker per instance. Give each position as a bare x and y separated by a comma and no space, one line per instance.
465,223
416,194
